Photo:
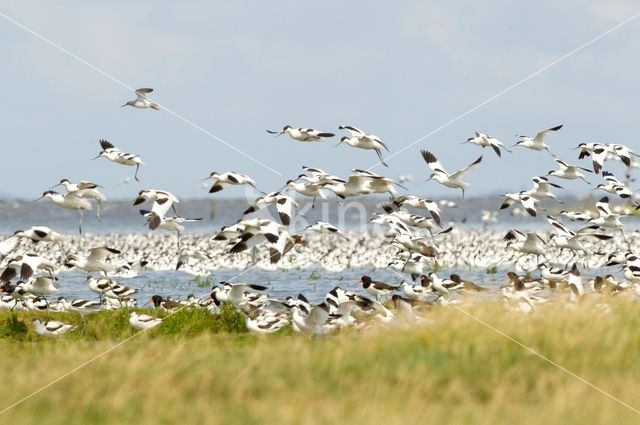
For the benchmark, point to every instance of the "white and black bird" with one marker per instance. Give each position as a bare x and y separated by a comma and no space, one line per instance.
142,101
542,188
529,243
523,198
70,201
114,154
422,204
143,321
453,180
376,288
303,134
361,140
172,224
96,261
162,202
285,205
536,142
484,140
39,234
614,186
569,172
85,189
323,227
51,327
598,152
229,178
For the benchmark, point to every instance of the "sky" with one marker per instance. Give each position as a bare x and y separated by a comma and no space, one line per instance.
401,70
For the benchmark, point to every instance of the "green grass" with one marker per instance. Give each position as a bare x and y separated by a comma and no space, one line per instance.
114,325
452,369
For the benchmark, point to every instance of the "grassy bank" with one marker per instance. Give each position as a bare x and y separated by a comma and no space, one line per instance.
451,370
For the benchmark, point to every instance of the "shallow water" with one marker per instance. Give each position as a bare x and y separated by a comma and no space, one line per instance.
314,284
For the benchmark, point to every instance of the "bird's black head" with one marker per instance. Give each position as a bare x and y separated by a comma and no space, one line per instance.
365,279
286,127
157,299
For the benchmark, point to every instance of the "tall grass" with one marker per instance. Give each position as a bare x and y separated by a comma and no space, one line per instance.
451,369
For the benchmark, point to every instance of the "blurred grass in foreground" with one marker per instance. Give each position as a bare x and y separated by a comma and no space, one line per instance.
450,369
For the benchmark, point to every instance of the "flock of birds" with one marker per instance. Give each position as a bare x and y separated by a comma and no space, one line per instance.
419,240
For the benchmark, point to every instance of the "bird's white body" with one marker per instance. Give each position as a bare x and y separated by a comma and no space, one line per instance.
51,327
143,321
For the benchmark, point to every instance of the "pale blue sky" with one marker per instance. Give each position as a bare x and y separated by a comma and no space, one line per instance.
396,69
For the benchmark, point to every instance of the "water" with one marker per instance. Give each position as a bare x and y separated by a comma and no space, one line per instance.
313,283
352,214
123,218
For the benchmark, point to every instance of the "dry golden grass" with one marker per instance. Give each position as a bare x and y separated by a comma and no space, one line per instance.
450,370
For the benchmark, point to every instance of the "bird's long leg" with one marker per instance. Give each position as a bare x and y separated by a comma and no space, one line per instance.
380,157
135,176
80,227
178,232
313,203
99,211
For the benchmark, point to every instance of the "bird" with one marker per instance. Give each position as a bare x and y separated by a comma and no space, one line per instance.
80,306
420,203
165,303
51,327
284,205
553,274
324,227
172,224
614,186
466,285
536,142
143,321
100,285
440,175
7,246
415,292
437,285
576,288
623,153
529,243
85,189
70,201
142,101
569,172
523,198
40,285
25,266
361,140
565,238
228,178
94,262
162,202
265,322
307,187
542,189
114,154
302,134
235,292
39,234
355,185
598,152
484,140
376,288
